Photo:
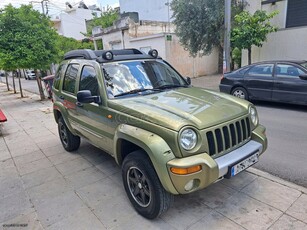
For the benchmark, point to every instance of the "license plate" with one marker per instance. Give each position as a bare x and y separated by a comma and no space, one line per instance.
234,170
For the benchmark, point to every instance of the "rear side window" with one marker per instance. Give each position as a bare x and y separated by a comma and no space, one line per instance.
70,78
88,80
57,77
262,70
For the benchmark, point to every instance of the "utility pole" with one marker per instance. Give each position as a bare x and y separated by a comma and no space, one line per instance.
226,54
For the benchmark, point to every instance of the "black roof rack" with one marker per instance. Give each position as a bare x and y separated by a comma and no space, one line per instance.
99,55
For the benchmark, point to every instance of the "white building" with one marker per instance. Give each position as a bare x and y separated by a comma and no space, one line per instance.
151,10
290,41
71,23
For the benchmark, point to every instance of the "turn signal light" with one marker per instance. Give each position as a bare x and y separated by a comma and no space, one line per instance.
185,171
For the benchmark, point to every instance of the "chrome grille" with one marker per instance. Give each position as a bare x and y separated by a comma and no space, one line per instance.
226,137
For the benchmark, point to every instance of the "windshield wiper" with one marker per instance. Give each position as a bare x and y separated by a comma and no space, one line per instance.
135,91
170,86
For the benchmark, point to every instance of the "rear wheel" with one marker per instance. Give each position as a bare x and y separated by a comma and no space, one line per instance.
240,92
69,141
143,186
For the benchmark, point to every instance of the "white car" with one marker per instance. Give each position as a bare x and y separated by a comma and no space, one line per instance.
30,74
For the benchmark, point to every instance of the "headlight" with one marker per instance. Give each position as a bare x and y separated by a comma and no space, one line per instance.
188,139
253,115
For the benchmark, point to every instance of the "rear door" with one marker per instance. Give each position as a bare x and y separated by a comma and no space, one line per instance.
259,81
288,86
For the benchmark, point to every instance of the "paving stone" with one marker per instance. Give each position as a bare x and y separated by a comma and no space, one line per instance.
215,195
109,167
49,142
30,220
299,209
248,212
4,154
99,191
7,168
14,205
287,222
48,190
81,219
215,221
272,193
19,150
59,207
57,149
41,176
63,157
122,211
239,181
96,156
139,222
85,177
73,166
34,166
25,159
185,211
10,185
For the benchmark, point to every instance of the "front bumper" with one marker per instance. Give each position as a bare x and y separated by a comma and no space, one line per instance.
213,169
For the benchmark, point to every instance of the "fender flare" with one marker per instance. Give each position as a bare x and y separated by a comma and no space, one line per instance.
59,107
156,148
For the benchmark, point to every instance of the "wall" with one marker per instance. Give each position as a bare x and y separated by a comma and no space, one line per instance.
187,65
154,10
73,23
286,43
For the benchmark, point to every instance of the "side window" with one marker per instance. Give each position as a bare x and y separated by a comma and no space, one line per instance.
57,77
88,80
284,70
262,70
70,78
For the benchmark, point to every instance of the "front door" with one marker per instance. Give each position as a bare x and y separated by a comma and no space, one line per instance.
288,86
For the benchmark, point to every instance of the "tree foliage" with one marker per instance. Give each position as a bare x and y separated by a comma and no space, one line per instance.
252,30
105,19
200,23
27,39
65,44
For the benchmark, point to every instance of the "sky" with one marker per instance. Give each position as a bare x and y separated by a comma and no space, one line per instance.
56,6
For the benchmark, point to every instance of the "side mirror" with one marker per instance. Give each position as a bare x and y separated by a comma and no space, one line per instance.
85,96
188,80
303,76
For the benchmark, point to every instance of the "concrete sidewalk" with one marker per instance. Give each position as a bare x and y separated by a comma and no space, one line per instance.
44,187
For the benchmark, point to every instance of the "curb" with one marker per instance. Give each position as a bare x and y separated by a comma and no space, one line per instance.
276,179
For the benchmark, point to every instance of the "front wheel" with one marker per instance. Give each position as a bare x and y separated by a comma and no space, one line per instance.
240,92
143,186
69,141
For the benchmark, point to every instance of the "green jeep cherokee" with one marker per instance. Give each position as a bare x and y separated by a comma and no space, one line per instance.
168,136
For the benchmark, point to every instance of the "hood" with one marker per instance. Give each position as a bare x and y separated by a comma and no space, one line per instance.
180,107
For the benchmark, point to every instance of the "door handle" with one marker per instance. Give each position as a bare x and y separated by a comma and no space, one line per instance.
79,104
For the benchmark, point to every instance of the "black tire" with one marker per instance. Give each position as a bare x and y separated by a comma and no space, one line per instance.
240,93
143,186
69,141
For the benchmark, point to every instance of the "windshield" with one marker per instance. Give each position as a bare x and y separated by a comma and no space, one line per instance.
304,64
139,76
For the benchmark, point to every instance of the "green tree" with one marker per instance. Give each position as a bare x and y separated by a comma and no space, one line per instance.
252,30
27,40
65,44
105,19
200,25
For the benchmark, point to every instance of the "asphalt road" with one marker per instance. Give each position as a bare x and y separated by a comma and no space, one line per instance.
29,85
286,156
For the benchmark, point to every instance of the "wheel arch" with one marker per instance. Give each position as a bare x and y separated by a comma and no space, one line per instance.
128,139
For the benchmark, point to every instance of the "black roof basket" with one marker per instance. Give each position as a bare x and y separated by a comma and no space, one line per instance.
100,55
80,54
